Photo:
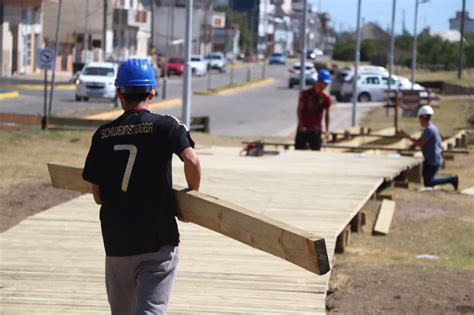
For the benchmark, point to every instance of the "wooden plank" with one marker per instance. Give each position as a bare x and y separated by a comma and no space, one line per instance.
256,230
384,217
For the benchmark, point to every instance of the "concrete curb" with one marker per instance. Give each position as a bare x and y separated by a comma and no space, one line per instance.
6,95
235,89
116,113
38,87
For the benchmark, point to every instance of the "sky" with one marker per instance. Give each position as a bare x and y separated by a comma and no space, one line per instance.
435,13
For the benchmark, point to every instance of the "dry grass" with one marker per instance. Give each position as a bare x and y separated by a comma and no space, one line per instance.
450,117
447,76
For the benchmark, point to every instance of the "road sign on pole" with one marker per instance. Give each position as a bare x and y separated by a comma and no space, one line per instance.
45,58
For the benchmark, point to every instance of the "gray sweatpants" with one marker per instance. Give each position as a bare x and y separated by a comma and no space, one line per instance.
141,284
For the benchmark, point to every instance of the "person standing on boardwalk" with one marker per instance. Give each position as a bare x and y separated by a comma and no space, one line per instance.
129,166
313,103
430,144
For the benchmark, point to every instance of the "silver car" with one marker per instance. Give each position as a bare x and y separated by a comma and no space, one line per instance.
371,87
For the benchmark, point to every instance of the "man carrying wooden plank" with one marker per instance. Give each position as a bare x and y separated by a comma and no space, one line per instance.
430,144
129,166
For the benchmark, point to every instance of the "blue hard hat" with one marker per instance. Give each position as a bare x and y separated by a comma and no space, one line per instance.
324,76
135,75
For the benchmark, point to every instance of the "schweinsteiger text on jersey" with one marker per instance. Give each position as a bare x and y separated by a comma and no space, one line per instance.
123,130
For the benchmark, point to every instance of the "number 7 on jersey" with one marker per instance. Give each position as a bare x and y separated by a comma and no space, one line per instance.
131,160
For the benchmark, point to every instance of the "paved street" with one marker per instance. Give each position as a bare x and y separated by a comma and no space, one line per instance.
268,110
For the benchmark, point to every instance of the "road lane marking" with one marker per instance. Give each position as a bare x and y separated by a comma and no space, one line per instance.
116,113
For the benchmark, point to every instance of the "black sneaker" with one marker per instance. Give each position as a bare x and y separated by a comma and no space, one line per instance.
456,182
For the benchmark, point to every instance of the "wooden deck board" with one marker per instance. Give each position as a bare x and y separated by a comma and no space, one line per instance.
53,261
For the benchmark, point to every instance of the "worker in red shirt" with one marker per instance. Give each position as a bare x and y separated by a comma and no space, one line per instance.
312,104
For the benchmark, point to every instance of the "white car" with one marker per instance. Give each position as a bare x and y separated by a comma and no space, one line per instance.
371,87
198,65
405,83
346,74
216,60
311,75
96,80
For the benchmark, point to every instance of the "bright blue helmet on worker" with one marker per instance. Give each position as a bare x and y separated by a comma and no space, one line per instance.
324,76
135,76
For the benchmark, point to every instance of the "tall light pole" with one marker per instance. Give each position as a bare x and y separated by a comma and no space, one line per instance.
186,114
356,67
461,42
53,79
303,46
392,52
413,60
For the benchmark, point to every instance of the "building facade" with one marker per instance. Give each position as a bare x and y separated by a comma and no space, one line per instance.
455,23
20,36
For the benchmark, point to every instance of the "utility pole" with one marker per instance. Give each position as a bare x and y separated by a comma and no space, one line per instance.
186,115
231,23
167,53
461,42
86,25
265,30
104,32
413,59
415,37
391,56
210,12
53,80
303,46
356,67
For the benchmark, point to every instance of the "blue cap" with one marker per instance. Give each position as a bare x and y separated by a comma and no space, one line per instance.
135,75
324,76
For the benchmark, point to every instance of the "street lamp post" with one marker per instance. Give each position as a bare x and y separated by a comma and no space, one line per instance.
391,56
186,113
303,46
413,60
356,67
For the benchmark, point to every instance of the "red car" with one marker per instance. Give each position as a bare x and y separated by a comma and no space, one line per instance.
175,65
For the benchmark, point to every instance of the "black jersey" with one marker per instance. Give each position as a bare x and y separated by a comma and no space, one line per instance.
130,159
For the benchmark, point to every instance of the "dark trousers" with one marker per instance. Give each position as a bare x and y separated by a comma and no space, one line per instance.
311,137
429,173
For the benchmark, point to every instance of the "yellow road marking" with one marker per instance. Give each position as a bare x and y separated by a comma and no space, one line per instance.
236,88
38,87
116,113
6,95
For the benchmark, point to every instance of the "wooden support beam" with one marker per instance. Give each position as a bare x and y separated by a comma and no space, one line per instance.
356,223
414,174
343,240
382,197
301,248
384,217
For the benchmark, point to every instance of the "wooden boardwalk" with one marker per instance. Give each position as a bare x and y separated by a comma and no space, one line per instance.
52,263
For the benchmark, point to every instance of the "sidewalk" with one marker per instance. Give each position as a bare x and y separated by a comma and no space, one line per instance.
62,78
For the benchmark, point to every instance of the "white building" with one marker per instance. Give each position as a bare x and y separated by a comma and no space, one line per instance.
97,30
20,35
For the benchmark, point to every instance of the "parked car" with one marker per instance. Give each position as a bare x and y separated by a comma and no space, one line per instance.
217,61
174,65
312,54
97,80
346,73
405,83
198,65
371,87
311,74
277,58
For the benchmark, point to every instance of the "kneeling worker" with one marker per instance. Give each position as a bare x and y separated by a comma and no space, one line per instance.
129,166
430,144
